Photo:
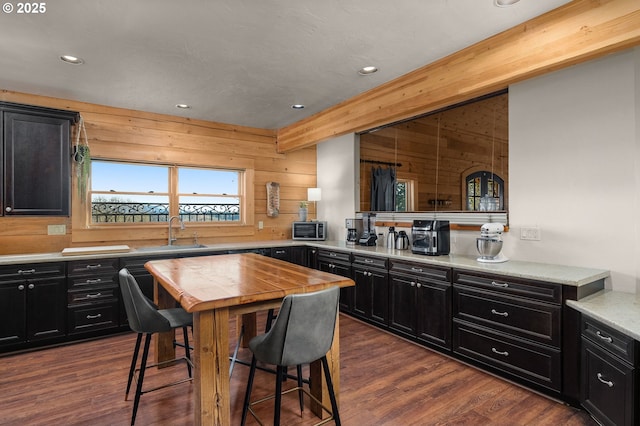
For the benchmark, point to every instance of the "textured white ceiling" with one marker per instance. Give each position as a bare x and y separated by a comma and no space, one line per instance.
243,62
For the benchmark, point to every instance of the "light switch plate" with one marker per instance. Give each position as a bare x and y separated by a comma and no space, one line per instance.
530,233
56,229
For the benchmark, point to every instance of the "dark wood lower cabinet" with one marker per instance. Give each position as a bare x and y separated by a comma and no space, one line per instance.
32,305
526,360
420,303
609,383
371,294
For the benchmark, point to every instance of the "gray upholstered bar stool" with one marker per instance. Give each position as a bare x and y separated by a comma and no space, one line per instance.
145,318
302,333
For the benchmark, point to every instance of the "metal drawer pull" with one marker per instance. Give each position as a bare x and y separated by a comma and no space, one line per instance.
94,316
413,283
95,281
26,272
98,266
418,285
606,382
503,285
495,351
280,251
414,269
502,314
603,337
93,296
333,255
369,261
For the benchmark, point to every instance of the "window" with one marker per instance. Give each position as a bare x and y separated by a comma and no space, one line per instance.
143,193
485,191
404,195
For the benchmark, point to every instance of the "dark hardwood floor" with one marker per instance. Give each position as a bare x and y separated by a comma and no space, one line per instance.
384,381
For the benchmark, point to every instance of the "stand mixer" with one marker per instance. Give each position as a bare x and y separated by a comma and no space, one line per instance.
489,244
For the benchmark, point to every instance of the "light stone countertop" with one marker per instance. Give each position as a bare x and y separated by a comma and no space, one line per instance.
558,274
620,311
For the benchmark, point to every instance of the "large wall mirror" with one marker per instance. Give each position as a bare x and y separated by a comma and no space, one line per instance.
455,159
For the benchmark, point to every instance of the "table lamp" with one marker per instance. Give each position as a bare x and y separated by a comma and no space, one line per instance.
314,194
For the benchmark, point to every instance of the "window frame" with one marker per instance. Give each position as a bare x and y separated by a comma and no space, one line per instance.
245,195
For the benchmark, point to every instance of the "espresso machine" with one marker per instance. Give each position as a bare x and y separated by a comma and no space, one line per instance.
354,230
368,237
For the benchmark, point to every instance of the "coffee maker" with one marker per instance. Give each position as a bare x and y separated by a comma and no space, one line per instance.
368,237
354,230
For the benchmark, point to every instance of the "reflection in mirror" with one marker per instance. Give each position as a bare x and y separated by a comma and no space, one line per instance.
455,159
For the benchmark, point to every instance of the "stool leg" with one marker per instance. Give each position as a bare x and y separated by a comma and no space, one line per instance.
270,317
134,361
332,395
187,349
276,408
143,366
247,395
300,392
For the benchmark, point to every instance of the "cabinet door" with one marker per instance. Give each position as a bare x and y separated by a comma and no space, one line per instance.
608,386
13,312
362,293
46,307
433,322
402,316
344,270
379,296
36,165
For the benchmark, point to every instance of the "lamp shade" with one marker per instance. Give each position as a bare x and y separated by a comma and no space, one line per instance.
314,194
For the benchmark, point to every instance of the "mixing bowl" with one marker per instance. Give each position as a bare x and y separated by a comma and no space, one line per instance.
488,247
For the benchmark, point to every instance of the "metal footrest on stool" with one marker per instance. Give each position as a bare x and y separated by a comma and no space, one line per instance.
166,385
297,388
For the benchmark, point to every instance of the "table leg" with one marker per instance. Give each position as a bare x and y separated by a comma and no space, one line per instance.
318,381
164,341
250,328
211,361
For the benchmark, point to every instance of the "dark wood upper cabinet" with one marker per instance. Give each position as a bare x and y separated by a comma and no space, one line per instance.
36,154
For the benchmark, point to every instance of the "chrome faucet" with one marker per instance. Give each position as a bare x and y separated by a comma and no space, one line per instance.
171,238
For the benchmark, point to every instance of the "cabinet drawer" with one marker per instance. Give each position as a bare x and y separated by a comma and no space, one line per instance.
535,363
540,322
420,270
93,317
334,255
99,295
612,340
608,386
32,270
92,267
91,281
539,290
374,262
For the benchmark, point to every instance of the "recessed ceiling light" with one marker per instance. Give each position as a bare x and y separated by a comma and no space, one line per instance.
70,59
297,106
183,106
367,70
505,3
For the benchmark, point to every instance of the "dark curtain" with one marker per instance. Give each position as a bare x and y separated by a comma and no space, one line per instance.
383,189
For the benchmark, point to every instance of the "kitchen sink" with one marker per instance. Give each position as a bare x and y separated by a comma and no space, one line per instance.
171,247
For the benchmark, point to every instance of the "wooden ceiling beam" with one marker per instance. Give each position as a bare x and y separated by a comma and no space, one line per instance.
571,34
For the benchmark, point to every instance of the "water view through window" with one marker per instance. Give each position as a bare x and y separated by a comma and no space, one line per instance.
139,193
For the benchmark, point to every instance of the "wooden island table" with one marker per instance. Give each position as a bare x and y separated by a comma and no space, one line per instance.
214,289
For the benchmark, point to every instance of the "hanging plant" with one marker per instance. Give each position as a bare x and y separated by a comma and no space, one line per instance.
82,157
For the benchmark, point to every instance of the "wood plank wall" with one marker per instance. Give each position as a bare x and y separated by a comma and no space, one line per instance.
576,32
472,137
122,134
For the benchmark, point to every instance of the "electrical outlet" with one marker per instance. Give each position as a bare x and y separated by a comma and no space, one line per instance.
260,224
530,233
56,229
